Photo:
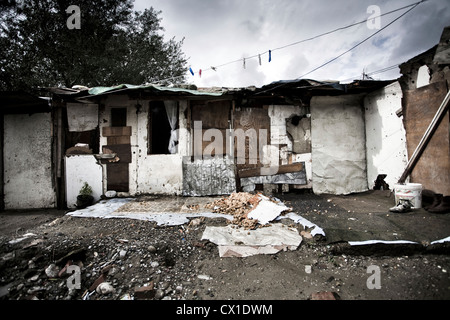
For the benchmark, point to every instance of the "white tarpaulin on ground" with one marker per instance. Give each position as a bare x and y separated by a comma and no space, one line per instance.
238,242
367,242
441,240
305,223
107,209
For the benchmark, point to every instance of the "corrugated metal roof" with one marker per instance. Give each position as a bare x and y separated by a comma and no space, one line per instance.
22,102
126,87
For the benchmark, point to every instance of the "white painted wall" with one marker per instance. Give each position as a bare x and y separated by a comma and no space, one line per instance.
81,169
423,76
28,161
385,135
338,144
278,134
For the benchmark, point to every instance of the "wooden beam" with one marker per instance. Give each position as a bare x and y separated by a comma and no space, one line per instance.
286,168
116,131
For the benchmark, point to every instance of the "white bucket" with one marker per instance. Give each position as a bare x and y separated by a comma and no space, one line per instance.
409,191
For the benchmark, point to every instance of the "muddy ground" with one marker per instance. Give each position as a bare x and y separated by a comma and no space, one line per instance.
135,256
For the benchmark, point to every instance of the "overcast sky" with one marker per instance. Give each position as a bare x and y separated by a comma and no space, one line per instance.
217,32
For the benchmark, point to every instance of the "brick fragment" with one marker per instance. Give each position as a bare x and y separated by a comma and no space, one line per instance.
145,292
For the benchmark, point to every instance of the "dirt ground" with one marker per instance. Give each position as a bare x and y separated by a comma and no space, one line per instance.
133,256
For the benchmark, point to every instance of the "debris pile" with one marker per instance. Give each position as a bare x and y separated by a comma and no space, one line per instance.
239,205
249,211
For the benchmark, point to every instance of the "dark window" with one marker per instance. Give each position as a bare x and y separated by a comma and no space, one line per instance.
118,117
159,129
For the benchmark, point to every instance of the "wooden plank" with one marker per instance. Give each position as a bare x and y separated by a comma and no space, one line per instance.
116,131
123,151
212,115
119,140
286,168
432,169
249,119
426,137
211,144
118,177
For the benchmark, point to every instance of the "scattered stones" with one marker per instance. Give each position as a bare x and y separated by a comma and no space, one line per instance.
122,254
121,259
104,288
52,271
159,294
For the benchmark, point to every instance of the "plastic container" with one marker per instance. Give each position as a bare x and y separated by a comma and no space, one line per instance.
411,192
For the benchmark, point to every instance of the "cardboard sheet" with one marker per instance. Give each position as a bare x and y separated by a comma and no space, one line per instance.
238,242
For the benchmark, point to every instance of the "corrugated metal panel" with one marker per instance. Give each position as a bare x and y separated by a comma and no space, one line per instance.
126,87
205,177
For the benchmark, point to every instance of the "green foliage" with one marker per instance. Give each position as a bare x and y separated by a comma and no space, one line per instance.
86,190
114,45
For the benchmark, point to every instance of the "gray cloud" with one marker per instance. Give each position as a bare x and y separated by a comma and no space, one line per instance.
217,32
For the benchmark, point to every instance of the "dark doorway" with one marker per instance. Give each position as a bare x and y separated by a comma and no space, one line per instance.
159,129
118,117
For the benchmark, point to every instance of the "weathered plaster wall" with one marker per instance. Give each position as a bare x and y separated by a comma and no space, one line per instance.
81,169
385,135
338,144
278,129
28,161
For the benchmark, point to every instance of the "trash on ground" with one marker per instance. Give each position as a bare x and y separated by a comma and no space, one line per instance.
402,207
110,209
238,242
367,242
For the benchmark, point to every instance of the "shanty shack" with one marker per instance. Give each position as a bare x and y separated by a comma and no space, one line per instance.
130,140
26,157
136,140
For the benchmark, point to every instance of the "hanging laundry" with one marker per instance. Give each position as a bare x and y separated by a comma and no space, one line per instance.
200,73
270,55
190,69
243,60
214,68
259,58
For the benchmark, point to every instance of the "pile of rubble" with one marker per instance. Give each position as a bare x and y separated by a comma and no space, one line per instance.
240,205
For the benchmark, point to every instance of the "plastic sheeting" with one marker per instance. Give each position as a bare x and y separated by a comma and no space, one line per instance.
237,242
338,145
107,209
82,117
